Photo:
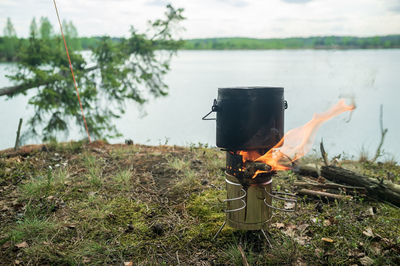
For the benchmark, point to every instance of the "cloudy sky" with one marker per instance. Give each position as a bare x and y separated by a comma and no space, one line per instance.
217,18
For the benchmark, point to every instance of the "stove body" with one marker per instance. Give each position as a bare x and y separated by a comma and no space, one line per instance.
249,119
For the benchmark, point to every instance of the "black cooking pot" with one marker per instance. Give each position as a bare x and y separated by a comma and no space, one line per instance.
249,118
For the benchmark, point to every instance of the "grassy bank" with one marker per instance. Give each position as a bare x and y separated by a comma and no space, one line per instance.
75,203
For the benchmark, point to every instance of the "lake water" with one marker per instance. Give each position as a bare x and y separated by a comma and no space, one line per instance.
313,80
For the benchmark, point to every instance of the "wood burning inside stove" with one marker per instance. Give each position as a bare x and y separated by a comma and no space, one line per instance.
249,119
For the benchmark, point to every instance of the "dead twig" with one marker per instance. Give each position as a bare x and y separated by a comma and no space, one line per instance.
18,134
245,263
177,258
328,186
322,194
323,153
383,134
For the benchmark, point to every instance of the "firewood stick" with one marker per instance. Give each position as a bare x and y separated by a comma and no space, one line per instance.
328,185
314,193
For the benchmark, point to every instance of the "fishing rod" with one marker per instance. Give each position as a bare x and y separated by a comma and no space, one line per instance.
72,71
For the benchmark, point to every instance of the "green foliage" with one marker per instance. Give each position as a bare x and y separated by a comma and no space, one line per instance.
9,30
119,72
9,44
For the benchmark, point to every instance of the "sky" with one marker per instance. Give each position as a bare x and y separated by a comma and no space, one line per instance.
216,18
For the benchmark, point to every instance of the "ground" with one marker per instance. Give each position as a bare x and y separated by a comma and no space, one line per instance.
78,203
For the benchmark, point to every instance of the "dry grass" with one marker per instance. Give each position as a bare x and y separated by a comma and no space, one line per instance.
75,203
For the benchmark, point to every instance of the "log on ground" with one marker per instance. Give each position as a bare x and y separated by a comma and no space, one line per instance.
378,189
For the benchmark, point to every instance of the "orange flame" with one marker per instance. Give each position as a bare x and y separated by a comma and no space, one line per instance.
296,142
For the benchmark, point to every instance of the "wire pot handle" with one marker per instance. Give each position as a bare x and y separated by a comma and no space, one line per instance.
214,108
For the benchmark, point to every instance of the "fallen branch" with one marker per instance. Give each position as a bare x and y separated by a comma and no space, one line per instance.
9,91
378,189
322,194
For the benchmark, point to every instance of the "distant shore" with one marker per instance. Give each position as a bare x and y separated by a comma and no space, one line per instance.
234,43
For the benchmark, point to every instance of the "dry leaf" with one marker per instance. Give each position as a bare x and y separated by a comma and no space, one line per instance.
333,220
368,232
128,263
289,232
319,253
356,253
326,239
302,240
22,245
291,226
300,262
302,227
327,223
6,245
289,205
70,226
376,248
278,225
17,262
366,261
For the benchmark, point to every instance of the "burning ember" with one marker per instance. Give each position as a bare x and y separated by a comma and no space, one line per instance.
295,143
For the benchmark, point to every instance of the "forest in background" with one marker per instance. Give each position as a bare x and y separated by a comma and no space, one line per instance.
10,43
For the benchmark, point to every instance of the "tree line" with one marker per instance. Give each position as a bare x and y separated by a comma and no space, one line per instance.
10,44
324,42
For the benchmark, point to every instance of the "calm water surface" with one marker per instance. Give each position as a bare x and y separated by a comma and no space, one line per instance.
313,81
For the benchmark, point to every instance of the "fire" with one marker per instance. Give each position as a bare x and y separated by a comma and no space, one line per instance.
296,142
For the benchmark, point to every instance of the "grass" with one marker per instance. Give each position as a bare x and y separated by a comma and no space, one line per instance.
78,203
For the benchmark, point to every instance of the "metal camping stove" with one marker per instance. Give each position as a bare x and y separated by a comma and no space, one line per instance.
249,119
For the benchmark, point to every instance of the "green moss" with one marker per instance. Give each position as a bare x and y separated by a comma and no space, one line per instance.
206,206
